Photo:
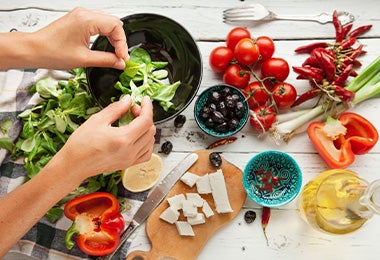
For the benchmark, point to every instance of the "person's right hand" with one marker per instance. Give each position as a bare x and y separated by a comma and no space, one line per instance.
98,147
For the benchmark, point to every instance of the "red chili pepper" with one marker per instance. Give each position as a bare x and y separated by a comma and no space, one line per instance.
338,27
347,43
224,141
346,29
339,140
265,216
312,93
344,95
308,48
311,61
328,66
359,31
341,79
308,73
350,58
97,221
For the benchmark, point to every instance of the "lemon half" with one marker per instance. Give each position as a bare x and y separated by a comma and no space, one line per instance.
142,176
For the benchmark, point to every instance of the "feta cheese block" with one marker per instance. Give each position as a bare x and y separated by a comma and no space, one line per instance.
184,228
170,215
189,179
189,208
207,209
176,201
195,198
203,184
198,219
219,192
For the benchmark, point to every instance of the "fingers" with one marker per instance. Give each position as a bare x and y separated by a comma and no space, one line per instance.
115,110
104,59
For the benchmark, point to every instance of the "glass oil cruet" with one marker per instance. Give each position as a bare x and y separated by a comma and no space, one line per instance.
338,201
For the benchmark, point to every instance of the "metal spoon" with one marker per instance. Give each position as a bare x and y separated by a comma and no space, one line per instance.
257,12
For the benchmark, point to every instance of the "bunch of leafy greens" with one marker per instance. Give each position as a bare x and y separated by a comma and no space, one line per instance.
48,124
144,77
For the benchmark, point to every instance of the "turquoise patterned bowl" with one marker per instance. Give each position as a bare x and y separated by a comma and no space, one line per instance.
272,178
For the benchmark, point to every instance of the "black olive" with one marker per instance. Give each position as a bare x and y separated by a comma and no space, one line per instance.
239,109
230,103
233,123
249,216
209,122
166,147
225,92
221,128
214,97
215,159
217,117
212,107
179,121
235,97
221,106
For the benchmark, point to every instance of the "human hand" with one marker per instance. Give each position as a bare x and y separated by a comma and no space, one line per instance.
97,146
66,41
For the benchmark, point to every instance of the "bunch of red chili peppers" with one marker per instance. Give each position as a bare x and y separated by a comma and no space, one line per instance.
330,64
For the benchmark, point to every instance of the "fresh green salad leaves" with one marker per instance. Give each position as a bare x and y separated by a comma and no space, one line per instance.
64,106
144,77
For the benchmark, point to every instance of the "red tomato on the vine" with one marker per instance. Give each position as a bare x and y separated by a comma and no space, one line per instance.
275,67
236,76
220,58
246,52
266,47
256,94
262,118
235,35
284,95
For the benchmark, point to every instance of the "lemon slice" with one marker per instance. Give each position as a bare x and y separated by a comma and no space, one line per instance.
142,176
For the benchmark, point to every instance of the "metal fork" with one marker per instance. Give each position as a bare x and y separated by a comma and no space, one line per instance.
257,12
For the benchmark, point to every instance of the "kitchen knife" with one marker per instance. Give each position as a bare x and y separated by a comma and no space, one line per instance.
154,199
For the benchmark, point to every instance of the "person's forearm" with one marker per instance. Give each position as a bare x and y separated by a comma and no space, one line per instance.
23,207
18,50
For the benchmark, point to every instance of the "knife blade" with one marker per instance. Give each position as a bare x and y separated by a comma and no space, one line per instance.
154,199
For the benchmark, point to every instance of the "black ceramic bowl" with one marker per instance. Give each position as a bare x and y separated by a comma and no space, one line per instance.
165,40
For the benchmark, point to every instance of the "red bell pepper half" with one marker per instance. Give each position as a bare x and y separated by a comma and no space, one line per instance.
339,140
97,222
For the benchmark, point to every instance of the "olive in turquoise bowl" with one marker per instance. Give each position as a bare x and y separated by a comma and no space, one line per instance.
272,178
221,110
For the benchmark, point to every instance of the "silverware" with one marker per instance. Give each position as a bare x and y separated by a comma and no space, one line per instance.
154,199
257,12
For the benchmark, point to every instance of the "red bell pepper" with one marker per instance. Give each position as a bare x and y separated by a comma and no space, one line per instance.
97,222
339,140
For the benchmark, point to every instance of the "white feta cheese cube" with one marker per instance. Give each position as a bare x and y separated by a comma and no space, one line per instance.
170,215
195,198
207,209
184,228
189,179
198,219
189,209
203,184
219,192
176,201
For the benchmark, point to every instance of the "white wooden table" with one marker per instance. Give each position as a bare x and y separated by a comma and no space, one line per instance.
289,237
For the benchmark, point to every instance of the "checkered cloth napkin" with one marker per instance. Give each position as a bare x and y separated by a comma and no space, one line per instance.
45,240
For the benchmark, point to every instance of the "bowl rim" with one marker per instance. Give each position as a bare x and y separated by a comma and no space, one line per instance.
198,54
298,178
209,131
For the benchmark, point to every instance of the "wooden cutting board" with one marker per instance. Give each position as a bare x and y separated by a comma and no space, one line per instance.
164,237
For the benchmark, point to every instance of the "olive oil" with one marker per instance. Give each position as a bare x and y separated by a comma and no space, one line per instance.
331,202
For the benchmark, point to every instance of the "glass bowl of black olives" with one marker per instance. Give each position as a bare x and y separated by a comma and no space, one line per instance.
221,110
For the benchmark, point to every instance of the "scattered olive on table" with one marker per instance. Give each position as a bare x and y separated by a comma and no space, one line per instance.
215,159
179,121
166,147
249,216
222,111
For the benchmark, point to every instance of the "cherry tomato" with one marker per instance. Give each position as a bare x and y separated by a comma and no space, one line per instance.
246,52
220,57
235,35
284,95
234,75
262,118
256,94
266,47
275,67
